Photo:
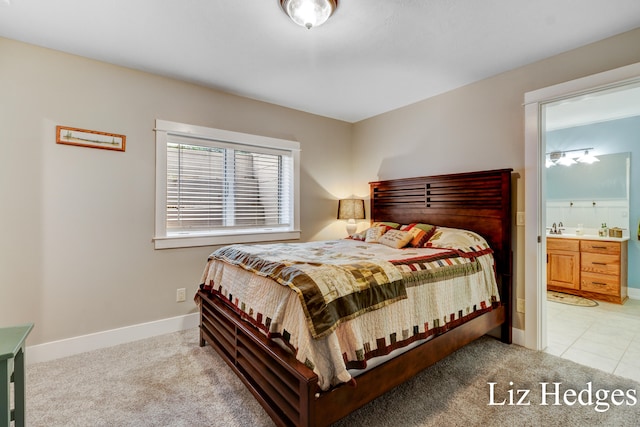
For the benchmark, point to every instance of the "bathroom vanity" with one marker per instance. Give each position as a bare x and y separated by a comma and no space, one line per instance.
589,266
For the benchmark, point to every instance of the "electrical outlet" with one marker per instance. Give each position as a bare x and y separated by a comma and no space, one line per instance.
520,305
181,294
520,218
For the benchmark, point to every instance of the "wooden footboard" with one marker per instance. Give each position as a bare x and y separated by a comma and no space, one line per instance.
281,384
288,390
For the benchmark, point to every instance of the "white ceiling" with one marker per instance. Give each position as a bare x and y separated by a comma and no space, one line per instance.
372,56
601,106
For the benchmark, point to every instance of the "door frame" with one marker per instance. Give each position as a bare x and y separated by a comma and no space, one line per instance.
535,318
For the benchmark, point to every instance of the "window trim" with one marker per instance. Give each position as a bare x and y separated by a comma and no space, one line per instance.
219,237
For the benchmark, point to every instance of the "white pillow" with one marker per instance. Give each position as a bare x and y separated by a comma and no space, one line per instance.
454,238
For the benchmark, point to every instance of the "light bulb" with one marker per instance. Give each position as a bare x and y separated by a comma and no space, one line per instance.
309,13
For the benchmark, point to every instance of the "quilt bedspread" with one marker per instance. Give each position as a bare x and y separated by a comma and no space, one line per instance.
443,288
333,285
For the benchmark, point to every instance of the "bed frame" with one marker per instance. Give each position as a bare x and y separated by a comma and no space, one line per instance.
288,390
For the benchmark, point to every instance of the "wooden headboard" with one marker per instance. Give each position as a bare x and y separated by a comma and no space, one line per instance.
477,201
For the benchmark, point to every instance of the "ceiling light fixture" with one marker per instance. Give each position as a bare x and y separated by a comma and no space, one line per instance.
309,13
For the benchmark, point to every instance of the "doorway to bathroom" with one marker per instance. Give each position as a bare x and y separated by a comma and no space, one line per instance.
536,104
590,141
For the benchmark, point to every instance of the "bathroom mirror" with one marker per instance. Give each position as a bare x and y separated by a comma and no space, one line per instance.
590,194
607,179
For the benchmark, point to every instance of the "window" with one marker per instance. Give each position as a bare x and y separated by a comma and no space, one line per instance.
218,187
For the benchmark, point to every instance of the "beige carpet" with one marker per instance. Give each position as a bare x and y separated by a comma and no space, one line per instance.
170,381
570,299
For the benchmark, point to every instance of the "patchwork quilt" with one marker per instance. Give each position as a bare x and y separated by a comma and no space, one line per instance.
337,304
333,285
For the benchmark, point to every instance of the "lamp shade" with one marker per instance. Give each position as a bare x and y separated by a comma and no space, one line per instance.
351,209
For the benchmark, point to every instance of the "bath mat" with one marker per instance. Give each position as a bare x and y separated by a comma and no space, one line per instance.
570,299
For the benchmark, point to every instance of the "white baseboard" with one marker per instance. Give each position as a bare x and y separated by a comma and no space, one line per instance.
70,346
634,293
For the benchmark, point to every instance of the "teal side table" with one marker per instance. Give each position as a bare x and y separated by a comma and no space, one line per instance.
12,370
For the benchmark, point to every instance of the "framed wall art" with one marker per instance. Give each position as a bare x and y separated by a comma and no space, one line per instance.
90,138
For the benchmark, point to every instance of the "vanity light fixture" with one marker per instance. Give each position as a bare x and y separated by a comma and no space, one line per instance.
588,158
566,161
561,157
309,13
553,158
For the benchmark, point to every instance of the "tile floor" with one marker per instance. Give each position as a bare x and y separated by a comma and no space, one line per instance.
606,337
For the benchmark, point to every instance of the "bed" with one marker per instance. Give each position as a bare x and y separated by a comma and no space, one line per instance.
288,389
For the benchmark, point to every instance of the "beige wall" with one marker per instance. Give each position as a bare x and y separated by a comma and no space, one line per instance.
479,126
76,255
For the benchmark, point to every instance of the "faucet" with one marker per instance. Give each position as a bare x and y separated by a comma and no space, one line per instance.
556,229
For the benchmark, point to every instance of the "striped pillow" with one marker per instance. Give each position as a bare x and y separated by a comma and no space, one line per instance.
387,224
421,233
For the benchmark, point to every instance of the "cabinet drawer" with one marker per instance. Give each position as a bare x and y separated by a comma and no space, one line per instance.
601,283
563,245
600,263
600,247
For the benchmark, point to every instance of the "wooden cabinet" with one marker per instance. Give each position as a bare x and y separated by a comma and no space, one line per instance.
603,269
563,263
594,269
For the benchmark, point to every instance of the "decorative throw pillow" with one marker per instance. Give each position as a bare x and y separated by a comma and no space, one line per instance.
374,234
388,224
454,238
396,238
421,233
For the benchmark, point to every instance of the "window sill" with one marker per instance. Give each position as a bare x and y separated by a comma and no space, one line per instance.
250,236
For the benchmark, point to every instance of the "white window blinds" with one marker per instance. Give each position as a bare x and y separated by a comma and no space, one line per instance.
225,187
212,187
